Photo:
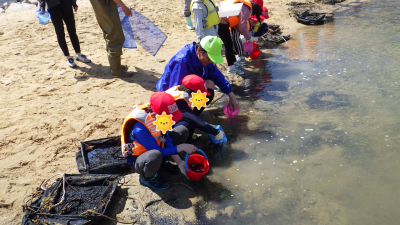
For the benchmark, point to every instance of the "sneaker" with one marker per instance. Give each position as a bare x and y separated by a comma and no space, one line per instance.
240,59
82,58
235,70
154,182
71,62
239,65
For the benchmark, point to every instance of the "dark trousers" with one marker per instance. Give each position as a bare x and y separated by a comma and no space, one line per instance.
237,43
108,18
190,119
58,15
225,35
261,30
148,163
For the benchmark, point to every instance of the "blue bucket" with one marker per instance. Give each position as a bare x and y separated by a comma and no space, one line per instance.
43,18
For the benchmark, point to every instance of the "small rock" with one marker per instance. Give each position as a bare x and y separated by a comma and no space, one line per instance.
5,80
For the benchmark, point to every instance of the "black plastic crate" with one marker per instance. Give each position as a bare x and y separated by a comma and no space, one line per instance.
74,199
101,156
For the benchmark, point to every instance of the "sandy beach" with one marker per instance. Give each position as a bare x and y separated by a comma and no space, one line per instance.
48,107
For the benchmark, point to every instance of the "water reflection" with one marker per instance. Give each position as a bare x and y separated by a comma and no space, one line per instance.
318,145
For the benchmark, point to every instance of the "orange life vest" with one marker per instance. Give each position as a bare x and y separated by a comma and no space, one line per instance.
177,94
140,115
234,20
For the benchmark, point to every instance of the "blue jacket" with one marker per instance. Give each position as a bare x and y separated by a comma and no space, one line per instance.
143,136
185,62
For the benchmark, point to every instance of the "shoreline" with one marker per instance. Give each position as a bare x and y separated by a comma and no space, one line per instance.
48,107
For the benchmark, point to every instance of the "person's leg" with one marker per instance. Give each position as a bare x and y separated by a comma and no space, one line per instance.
237,43
186,9
189,131
225,35
69,20
179,134
147,165
187,13
261,30
108,18
57,20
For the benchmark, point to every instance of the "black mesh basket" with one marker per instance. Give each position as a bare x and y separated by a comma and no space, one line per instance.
73,199
101,156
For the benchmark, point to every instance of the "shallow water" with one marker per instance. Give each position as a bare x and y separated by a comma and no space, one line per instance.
317,138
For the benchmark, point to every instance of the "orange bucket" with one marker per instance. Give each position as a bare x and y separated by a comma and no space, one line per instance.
201,161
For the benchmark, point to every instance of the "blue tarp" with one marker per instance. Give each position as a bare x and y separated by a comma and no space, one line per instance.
127,28
140,29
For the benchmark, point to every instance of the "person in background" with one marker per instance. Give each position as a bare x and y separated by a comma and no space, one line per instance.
239,23
258,28
63,10
191,120
108,18
144,147
186,13
198,58
206,18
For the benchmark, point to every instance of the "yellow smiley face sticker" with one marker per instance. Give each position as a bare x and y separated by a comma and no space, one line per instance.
164,122
199,99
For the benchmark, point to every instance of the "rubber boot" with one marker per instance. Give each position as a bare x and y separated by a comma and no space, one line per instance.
116,69
189,23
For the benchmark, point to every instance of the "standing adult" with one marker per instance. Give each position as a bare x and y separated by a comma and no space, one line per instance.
225,34
206,18
62,10
239,23
108,18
